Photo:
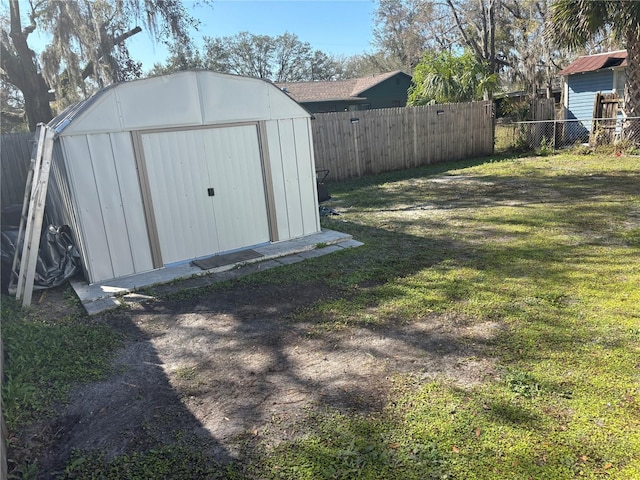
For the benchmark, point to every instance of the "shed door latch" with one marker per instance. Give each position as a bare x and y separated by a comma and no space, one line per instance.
210,192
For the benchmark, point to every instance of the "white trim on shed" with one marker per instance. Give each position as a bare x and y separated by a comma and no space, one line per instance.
167,169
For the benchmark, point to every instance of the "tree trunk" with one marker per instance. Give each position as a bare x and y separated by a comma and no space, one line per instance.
484,48
36,103
632,88
22,71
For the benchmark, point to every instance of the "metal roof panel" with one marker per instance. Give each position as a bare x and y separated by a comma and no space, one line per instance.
591,63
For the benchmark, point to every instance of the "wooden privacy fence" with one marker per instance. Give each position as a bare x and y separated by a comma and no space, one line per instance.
15,158
367,142
348,144
542,109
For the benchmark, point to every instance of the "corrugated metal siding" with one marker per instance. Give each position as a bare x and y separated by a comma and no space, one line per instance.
131,201
582,90
293,177
97,261
289,168
68,115
111,205
100,114
281,106
306,175
99,185
167,101
277,178
228,99
99,175
60,205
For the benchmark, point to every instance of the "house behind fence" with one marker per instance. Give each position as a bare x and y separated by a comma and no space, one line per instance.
367,142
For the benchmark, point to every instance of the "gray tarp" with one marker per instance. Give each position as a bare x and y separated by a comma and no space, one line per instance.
58,258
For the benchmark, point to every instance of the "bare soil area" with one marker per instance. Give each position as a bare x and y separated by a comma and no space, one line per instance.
232,367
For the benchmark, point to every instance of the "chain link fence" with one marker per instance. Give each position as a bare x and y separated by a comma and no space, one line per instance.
551,135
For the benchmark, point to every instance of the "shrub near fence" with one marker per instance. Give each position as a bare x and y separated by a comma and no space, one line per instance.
15,158
367,142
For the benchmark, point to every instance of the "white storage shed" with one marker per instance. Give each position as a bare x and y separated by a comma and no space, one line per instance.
164,170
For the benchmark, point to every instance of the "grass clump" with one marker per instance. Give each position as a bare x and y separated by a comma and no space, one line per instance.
45,357
162,462
355,446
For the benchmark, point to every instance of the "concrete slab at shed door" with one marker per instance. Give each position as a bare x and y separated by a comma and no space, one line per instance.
207,190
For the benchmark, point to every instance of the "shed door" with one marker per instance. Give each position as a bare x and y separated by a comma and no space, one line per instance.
207,190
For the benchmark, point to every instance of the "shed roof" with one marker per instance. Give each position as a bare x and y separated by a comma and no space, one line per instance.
182,99
591,63
351,90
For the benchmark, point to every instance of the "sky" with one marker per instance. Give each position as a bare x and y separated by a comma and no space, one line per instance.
342,27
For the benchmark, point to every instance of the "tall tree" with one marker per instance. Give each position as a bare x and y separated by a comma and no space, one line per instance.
180,58
87,45
478,25
242,54
292,58
575,22
326,67
404,29
284,58
370,64
532,61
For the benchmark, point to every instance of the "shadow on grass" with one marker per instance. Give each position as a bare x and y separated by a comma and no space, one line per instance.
249,358
245,363
411,173
429,191
108,426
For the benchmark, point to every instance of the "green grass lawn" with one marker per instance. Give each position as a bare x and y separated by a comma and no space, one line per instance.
547,248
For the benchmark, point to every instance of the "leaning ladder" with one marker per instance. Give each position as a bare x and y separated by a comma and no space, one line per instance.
35,196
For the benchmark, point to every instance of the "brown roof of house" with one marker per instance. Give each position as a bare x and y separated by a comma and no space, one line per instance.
591,63
306,92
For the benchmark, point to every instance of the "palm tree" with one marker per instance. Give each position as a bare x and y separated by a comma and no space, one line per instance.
447,78
574,22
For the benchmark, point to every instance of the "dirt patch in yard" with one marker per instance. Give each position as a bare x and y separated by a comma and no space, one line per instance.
221,368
